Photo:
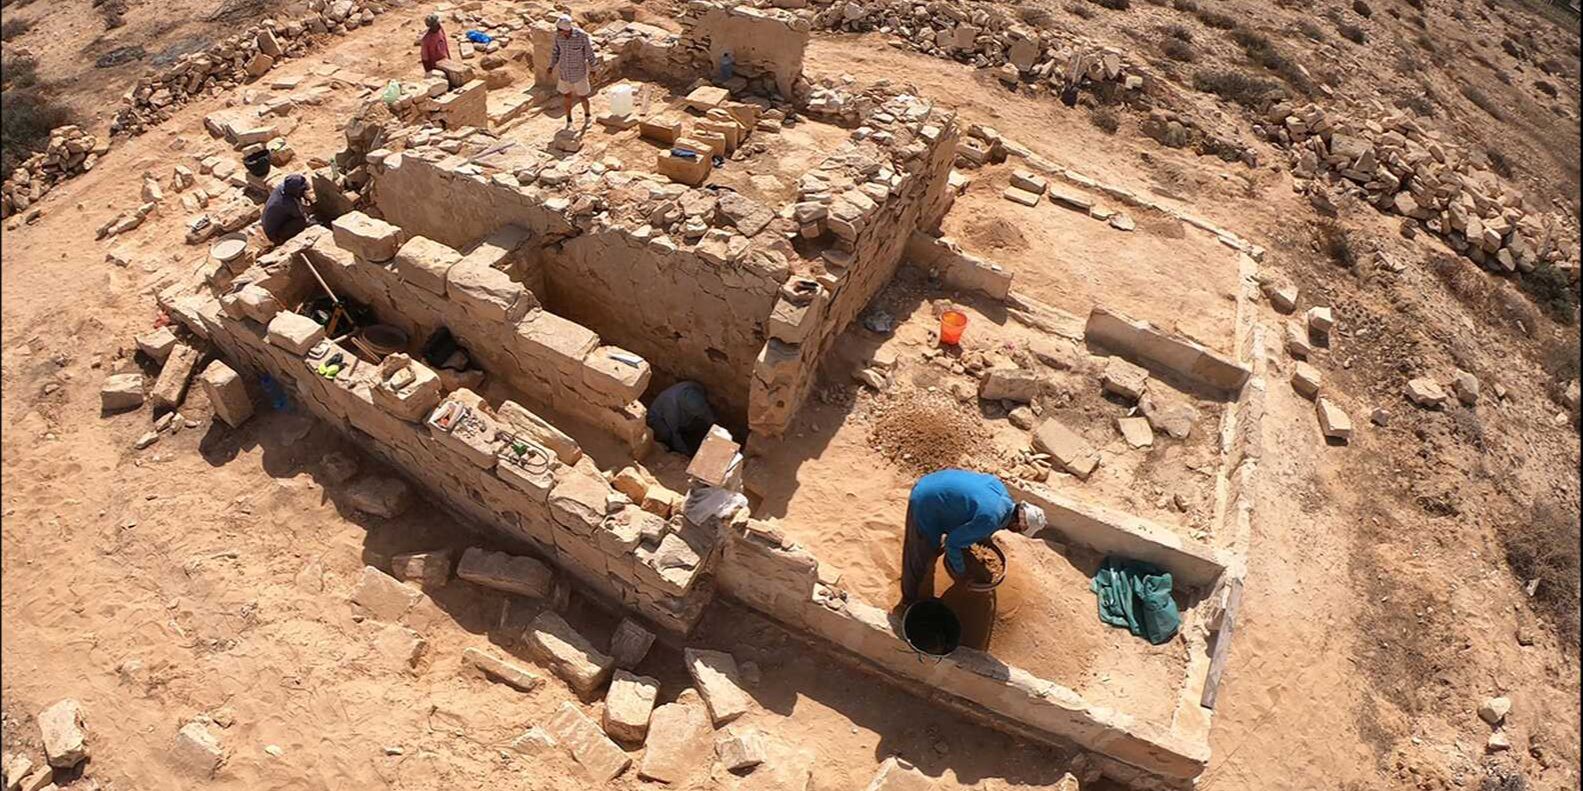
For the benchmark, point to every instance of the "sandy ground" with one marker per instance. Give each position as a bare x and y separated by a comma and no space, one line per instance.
1183,282
207,575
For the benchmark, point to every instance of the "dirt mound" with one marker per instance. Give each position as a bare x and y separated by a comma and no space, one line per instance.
995,233
921,432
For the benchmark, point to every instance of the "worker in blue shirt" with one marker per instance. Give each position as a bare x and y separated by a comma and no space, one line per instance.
949,511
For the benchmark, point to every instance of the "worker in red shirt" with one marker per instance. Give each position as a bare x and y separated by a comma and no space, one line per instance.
435,48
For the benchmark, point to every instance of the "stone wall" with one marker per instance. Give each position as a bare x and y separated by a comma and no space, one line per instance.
696,319
568,513
863,202
688,313
551,362
767,44
761,568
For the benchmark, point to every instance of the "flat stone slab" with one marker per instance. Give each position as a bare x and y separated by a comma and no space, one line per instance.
385,497
121,391
385,597
896,775
197,750
680,741
506,672
1066,447
1136,431
1021,196
1124,378
715,674
601,758
568,654
517,574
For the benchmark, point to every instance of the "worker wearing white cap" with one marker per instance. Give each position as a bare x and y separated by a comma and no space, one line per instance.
949,511
573,61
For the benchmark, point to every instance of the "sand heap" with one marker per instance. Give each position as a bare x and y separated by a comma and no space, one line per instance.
921,432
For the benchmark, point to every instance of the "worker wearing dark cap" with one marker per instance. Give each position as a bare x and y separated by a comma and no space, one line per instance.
285,214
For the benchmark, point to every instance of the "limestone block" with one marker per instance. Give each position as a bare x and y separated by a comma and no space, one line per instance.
227,393
628,705
487,293
1027,181
715,675
1124,378
679,736
1332,420
157,343
171,385
509,673
1010,384
558,343
121,391
1136,431
405,388
617,373
568,653
533,741
425,263
896,775
588,745
467,431
1168,412
1306,380
294,332
431,569
383,497
372,240
385,597
1066,447
517,418
1320,320
689,170
197,751
456,73
577,502
60,726
466,106
1297,343
255,302
740,751
1426,393
662,128
1466,386
705,98
517,574
718,461
630,643
662,501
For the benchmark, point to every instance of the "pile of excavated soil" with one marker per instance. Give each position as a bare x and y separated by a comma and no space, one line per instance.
995,233
921,432
983,565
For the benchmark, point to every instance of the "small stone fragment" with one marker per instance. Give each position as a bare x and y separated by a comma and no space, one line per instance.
1494,710
740,751
509,673
630,643
61,727
1136,431
197,750
1124,378
628,704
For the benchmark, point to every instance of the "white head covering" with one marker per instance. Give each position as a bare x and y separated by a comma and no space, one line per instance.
563,22
1032,518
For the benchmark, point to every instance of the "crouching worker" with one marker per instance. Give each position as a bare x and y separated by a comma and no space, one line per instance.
949,511
285,213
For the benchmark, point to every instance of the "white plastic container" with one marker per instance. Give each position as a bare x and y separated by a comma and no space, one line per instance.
621,100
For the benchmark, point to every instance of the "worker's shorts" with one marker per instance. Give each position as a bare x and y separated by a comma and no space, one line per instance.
579,88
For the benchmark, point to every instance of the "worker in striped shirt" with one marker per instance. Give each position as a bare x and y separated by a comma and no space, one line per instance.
572,58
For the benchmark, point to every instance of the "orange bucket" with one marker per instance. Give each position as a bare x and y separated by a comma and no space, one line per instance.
952,322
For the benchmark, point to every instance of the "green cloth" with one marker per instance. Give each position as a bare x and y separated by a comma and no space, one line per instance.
1136,595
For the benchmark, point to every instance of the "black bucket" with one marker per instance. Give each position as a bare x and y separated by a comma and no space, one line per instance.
257,163
930,628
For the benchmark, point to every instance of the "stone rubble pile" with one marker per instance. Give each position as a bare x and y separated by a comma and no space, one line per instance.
240,58
1399,167
981,35
70,151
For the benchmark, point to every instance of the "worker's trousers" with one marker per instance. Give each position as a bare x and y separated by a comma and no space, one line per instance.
918,557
